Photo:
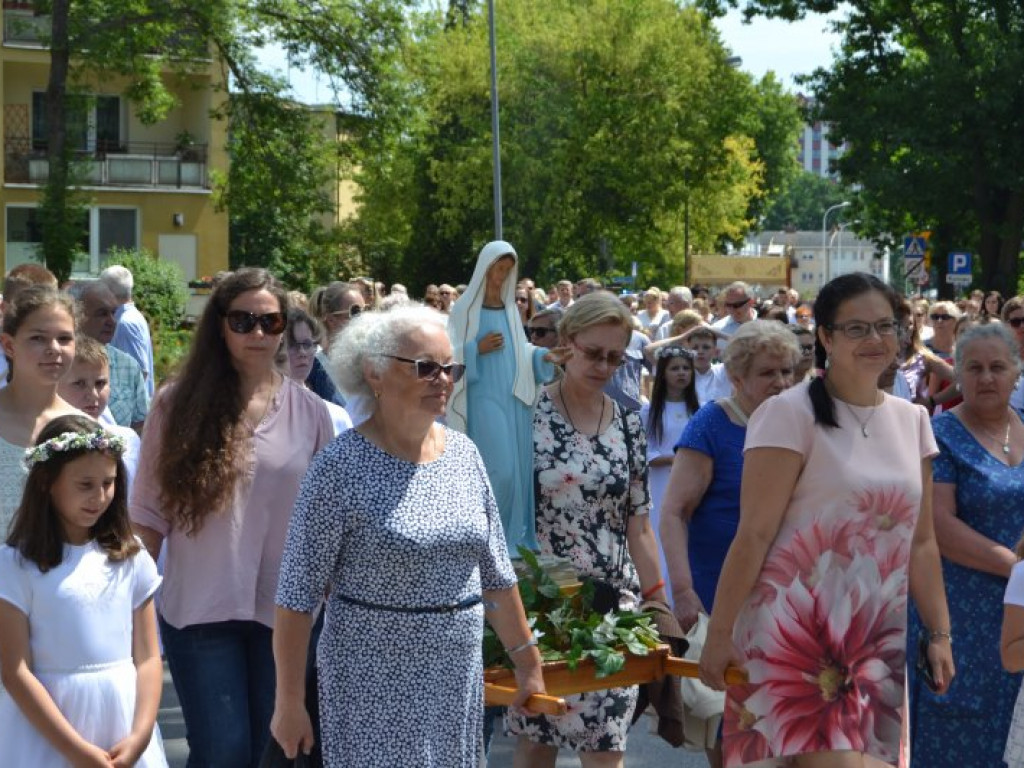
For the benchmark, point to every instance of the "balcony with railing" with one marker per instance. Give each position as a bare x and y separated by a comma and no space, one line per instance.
22,26
127,164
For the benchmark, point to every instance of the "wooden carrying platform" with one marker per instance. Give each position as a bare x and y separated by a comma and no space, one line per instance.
559,680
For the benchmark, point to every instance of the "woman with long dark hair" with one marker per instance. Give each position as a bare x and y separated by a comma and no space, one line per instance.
223,453
835,531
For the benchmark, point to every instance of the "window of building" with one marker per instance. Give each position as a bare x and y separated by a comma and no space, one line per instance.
94,123
102,229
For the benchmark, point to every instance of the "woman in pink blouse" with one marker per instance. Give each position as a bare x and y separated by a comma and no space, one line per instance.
223,453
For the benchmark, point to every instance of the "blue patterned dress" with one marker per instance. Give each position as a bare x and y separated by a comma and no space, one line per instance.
968,726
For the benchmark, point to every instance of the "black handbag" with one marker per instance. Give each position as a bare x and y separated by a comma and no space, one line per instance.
274,757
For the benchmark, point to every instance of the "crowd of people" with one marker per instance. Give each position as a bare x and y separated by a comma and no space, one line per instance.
313,516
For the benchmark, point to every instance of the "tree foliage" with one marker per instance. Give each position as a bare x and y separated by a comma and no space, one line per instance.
615,116
352,44
803,202
930,97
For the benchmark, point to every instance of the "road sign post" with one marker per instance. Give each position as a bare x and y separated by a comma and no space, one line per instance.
958,268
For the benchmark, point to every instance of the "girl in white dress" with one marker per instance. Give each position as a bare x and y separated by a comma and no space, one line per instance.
673,402
78,638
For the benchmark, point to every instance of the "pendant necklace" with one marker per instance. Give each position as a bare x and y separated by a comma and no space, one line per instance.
565,405
1005,443
863,424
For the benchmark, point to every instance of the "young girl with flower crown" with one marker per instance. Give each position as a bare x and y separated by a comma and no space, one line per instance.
673,402
78,639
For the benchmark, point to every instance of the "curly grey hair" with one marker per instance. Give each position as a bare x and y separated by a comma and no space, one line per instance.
370,336
758,336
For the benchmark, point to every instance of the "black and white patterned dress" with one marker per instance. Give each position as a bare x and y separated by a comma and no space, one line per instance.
586,489
397,689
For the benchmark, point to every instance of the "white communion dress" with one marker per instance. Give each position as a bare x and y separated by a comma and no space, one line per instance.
80,624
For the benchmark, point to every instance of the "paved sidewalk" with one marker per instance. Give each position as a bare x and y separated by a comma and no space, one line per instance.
644,751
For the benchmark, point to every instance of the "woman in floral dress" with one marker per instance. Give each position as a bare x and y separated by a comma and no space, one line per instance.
590,471
835,530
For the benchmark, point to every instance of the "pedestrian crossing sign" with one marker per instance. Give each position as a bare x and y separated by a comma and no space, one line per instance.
915,247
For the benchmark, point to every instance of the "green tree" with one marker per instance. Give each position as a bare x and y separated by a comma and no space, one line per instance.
352,44
615,115
929,96
803,202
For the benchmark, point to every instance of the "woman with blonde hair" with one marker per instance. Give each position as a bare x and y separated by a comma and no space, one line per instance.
590,472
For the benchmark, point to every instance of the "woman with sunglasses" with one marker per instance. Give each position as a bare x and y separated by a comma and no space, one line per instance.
493,404
398,518
590,471
525,305
223,453
943,316
543,328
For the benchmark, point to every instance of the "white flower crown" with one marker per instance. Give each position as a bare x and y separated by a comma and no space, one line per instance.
99,440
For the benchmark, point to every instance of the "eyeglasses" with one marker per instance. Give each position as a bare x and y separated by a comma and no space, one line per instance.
940,316
302,346
521,299
539,332
737,304
1016,322
612,359
354,311
857,329
272,323
428,370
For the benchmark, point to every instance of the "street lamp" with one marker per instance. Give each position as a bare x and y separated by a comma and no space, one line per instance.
495,137
824,243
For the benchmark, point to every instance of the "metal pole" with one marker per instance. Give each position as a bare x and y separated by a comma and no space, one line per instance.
495,134
824,244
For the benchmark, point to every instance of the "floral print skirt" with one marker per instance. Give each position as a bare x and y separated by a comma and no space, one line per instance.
596,722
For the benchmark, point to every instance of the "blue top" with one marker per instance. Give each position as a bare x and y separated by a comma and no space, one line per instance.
320,382
501,425
716,518
132,336
974,717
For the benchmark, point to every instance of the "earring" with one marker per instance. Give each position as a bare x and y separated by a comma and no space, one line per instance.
376,395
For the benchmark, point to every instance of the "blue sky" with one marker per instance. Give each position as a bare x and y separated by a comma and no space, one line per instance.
789,49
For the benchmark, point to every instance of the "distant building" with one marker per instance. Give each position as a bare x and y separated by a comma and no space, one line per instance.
811,265
818,155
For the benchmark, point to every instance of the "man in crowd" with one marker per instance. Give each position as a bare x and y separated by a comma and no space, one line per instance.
129,398
132,335
447,295
563,288
737,304
678,299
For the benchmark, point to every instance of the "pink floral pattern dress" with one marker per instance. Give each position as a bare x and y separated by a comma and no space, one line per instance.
824,631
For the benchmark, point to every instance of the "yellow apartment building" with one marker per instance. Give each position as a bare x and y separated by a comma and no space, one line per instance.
147,186
336,128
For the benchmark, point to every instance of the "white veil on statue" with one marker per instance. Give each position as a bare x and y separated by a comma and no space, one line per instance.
464,323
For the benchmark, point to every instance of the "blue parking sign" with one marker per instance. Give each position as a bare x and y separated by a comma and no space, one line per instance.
959,263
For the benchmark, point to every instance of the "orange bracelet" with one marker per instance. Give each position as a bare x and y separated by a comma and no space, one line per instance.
647,593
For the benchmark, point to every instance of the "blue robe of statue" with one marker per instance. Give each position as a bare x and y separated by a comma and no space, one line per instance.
501,425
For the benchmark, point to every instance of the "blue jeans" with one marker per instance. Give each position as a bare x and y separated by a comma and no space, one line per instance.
224,675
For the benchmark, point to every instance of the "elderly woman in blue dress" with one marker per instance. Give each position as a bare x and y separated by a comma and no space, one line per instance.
397,517
977,492
494,403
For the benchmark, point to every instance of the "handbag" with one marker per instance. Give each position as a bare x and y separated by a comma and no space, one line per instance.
274,757
603,593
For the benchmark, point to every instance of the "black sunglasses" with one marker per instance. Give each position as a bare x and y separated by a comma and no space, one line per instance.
428,370
540,333
737,304
272,323
1016,322
941,316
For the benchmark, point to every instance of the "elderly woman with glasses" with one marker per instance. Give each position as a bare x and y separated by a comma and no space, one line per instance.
590,471
494,403
397,518
978,483
225,448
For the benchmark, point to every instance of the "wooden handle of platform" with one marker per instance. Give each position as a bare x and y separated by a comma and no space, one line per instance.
686,668
499,695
